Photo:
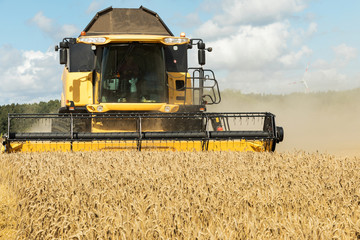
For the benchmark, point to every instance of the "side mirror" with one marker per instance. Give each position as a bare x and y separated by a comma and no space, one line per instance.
201,45
201,56
201,49
63,55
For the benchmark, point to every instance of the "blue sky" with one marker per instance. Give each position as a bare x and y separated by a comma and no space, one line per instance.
260,46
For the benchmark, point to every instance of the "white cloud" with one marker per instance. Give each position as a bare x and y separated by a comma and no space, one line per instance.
212,30
52,29
344,52
250,47
343,55
257,11
330,79
241,42
333,74
44,23
67,30
292,58
286,81
300,35
257,49
30,75
312,29
190,20
94,6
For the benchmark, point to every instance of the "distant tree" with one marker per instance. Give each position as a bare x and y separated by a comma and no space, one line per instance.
43,107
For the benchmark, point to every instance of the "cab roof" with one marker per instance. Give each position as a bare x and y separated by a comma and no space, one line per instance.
118,21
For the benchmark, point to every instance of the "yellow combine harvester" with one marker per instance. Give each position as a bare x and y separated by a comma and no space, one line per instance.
127,85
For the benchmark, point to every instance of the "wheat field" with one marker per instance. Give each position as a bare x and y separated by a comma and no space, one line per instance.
179,195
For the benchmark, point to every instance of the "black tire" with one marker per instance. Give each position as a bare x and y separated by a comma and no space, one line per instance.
279,134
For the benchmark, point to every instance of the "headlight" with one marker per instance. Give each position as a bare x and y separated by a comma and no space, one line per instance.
92,39
167,108
175,40
100,108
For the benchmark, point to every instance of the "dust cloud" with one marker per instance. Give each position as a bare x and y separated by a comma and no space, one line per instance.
41,126
324,122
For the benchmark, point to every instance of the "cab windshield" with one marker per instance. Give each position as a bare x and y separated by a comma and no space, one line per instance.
132,73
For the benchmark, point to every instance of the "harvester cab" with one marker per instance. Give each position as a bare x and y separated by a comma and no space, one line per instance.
127,85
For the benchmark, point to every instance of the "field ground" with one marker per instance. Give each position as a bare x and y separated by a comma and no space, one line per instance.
309,189
208,195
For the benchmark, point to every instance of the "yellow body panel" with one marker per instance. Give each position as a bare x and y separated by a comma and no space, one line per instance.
123,38
35,146
176,96
77,87
159,107
146,145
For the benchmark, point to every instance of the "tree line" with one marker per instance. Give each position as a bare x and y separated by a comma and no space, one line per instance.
51,106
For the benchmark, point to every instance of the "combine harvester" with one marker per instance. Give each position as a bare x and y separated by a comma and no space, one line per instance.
127,86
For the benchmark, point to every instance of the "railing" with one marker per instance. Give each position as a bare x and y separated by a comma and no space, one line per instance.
182,126
204,86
